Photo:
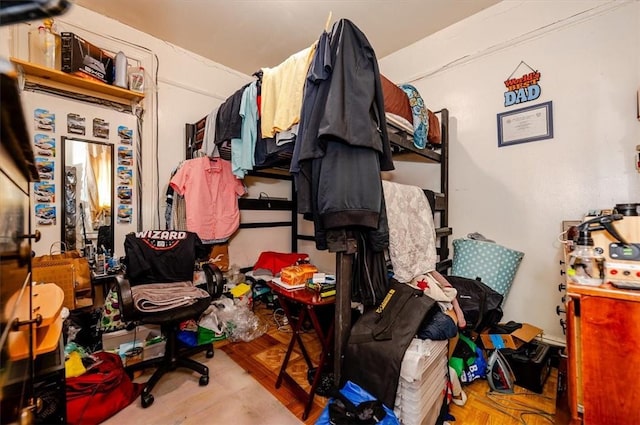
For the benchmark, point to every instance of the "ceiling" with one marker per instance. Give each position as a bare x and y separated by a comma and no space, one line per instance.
247,35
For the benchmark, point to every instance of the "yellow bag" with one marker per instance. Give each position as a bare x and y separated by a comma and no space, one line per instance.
81,269
60,272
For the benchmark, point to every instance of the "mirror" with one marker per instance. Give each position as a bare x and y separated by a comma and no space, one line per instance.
87,195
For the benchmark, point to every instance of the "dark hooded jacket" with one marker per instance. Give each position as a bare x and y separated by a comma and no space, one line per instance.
344,143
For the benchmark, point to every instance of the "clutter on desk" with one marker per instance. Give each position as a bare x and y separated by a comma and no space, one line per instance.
292,276
606,248
322,284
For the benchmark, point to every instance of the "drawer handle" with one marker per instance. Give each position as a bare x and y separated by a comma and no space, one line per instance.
16,324
36,236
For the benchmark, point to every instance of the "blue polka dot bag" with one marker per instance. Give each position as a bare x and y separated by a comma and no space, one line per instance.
494,264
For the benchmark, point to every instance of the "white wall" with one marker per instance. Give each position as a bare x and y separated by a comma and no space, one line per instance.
588,54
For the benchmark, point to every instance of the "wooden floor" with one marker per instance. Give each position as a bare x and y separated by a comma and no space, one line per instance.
490,408
262,358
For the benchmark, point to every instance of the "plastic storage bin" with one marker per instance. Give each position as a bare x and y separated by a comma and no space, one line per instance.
423,380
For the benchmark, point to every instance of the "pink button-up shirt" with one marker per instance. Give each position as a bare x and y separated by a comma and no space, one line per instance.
211,193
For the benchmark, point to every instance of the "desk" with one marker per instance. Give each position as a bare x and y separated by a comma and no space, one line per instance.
310,303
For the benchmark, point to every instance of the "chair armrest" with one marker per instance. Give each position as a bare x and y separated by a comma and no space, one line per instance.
215,280
127,309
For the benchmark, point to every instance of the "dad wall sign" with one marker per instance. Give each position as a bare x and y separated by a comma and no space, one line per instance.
522,89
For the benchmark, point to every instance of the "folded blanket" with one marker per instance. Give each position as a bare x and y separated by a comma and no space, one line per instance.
165,296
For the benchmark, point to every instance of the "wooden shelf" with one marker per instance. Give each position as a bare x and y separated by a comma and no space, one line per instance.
57,79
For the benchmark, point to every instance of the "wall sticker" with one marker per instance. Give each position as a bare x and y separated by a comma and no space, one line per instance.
524,88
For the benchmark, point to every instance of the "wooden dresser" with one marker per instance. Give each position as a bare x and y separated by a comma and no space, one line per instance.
16,170
603,342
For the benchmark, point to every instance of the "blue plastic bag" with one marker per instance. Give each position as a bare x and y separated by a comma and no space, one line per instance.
357,395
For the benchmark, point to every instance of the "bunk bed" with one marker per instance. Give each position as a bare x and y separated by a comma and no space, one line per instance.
400,133
401,139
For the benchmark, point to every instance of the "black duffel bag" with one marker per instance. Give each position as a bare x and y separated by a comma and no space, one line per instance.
481,305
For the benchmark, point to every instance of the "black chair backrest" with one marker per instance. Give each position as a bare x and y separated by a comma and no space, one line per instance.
161,256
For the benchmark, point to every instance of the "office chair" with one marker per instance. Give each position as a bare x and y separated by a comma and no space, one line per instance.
157,289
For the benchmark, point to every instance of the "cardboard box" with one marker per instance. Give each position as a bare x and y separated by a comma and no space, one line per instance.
513,340
132,346
112,341
81,58
154,350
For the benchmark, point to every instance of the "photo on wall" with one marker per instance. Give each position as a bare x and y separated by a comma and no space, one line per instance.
125,156
125,175
124,194
76,124
100,128
45,167
125,214
125,134
44,192
45,145
45,214
44,120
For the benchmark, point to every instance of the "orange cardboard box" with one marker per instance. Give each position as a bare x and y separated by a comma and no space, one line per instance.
513,340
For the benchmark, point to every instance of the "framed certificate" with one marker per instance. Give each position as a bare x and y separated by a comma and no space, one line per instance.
526,125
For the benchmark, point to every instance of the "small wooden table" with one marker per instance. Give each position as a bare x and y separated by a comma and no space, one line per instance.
310,303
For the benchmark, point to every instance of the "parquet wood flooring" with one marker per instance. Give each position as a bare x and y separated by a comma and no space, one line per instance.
485,408
262,358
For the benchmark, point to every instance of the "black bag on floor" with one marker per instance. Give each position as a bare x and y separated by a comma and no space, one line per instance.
481,305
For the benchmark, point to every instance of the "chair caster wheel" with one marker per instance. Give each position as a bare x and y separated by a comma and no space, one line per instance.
209,354
147,400
204,380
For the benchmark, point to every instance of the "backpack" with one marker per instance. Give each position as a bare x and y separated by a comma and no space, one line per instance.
481,305
101,392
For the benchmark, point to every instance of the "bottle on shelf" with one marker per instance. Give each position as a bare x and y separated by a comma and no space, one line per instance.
44,46
36,45
136,79
120,70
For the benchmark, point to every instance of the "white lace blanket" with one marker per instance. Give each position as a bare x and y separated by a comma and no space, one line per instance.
412,235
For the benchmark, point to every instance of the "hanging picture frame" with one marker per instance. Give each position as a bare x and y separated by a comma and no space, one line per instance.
525,125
